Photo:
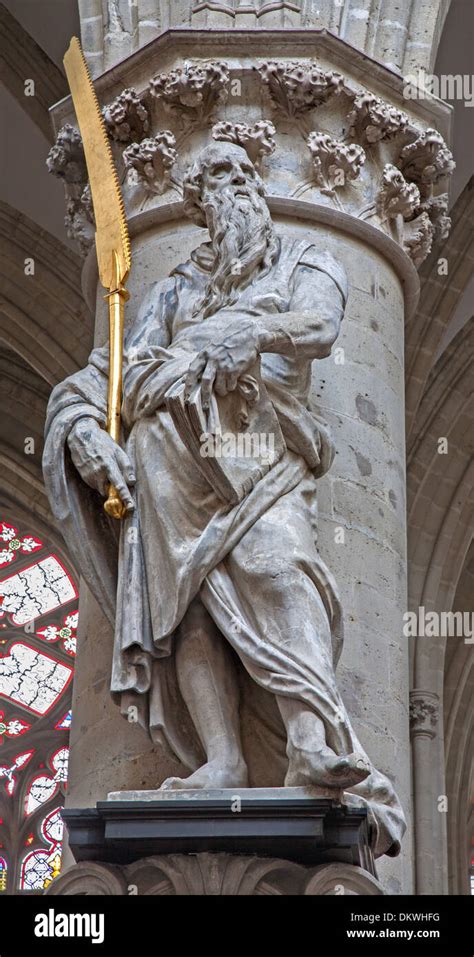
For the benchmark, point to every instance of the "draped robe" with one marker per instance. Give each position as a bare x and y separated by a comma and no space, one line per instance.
255,565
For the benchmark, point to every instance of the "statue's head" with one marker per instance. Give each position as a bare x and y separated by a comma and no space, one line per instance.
223,191
221,170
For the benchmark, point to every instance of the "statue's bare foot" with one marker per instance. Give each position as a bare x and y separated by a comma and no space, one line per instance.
326,769
214,774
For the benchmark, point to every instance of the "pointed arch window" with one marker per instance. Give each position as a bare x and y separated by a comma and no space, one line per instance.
38,626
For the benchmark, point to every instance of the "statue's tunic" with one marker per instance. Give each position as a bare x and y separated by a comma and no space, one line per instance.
255,565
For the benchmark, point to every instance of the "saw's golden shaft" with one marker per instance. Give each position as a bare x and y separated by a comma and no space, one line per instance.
116,299
116,303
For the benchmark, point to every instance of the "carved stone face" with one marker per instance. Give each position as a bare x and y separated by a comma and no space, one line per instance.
223,192
221,169
231,173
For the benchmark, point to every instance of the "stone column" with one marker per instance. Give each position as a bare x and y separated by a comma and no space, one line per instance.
424,717
403,36
358,170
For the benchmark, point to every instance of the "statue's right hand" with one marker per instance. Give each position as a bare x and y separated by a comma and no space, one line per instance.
100,461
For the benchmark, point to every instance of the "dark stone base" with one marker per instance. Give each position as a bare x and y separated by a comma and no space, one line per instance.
303,830
289,845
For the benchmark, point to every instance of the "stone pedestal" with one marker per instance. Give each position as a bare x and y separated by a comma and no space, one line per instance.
247,841
358,170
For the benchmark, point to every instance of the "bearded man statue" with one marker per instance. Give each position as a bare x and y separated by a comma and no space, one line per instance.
227,623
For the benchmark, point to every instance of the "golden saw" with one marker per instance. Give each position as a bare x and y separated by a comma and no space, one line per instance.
112,238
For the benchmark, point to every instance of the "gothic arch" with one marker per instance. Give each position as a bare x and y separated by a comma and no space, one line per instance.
440,503
43,316
440,523
458,732
439,297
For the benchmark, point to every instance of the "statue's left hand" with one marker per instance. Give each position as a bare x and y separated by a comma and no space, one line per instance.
220,365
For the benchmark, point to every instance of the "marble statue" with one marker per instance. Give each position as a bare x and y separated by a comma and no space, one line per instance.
225,616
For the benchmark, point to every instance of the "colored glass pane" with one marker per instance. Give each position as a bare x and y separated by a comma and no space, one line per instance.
39,595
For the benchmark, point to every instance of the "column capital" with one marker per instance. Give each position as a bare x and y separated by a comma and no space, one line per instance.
330,130
424,713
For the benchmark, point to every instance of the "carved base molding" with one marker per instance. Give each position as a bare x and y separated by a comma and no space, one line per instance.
219,875
280,841
289,823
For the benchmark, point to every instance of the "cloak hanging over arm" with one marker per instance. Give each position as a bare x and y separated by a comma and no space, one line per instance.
91,536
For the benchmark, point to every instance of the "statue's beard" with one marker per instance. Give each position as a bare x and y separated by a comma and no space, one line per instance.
243,241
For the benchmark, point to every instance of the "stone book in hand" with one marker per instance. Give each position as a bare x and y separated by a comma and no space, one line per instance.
234,443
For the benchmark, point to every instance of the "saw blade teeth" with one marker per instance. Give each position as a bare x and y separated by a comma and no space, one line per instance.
123,224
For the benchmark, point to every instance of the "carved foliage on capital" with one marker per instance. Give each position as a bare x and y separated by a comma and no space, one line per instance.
334,163
258,140
357,133
297,88
79,220
126,118
426,160
437,209
396,197
193,92
371,120
150,163
418,238
66,160
424,713
408,189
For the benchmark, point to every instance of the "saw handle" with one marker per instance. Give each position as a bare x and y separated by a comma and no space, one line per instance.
113,505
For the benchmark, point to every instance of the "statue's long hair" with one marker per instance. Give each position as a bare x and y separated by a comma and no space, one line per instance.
242,233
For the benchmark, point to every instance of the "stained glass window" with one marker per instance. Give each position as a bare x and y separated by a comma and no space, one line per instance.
40,867
38,625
